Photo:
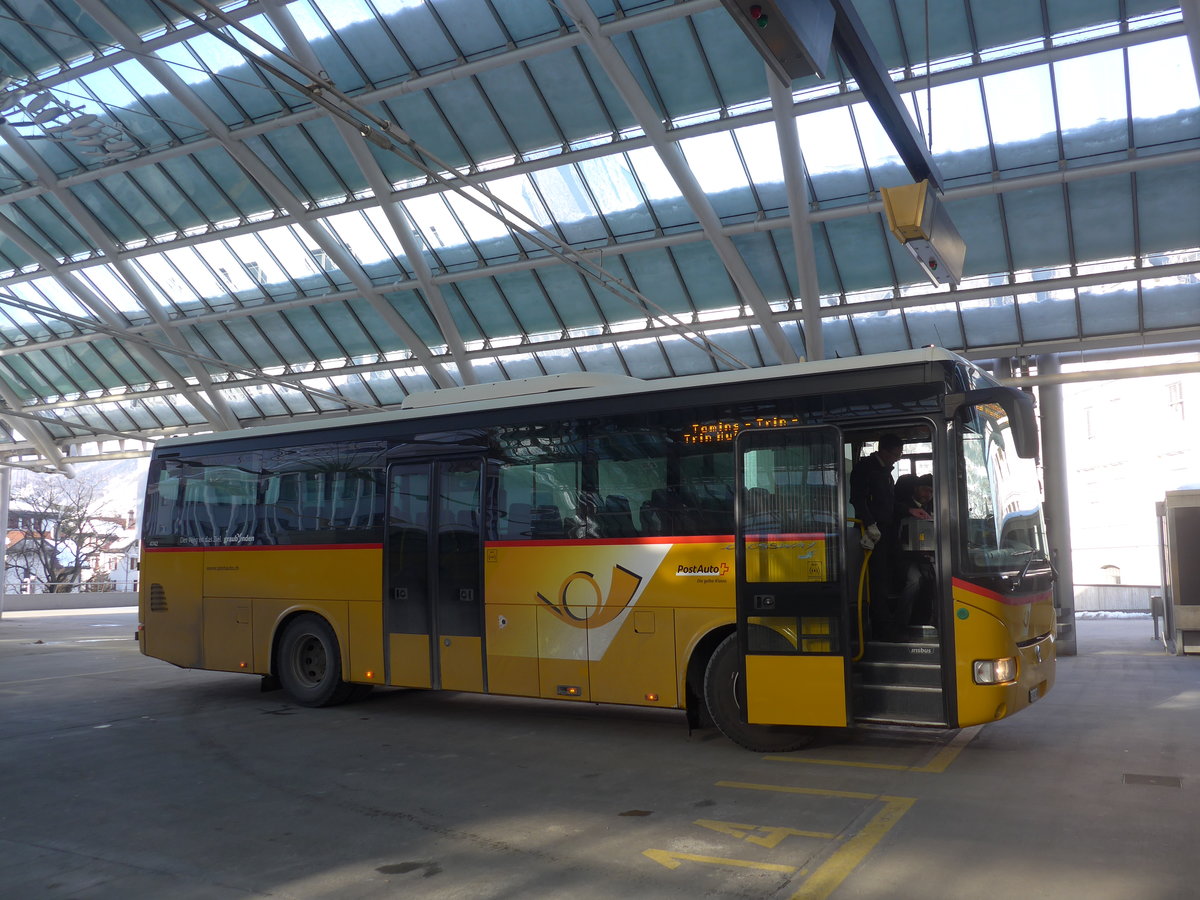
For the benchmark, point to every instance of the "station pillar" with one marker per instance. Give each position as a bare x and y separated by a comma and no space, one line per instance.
1058,517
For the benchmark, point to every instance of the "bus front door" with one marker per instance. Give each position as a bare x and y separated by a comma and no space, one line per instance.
793,610
433,599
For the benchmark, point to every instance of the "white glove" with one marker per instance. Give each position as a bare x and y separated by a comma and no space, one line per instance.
866,543
873,533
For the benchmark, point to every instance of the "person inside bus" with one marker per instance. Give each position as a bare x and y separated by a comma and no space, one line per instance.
873,496
914,496
923,493
916,576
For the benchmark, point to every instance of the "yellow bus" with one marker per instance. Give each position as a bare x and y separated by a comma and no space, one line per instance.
683,544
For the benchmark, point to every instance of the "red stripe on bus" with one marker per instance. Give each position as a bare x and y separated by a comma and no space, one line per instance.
1000,598
616,542
243,549
664,539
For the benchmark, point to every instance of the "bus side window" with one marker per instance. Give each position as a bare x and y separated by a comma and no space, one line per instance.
163,505
324,494
229,511
541,497
626,487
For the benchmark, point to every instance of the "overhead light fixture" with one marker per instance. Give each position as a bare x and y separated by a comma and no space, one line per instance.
48,118
920,222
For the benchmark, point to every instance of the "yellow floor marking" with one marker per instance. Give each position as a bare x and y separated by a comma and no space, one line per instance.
834,870
787,789
825,880
770,838
940,762
675,860
950,752
839,762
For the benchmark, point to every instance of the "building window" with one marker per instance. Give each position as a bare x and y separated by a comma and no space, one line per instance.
1175,399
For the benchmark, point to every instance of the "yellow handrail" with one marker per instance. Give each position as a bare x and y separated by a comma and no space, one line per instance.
862,579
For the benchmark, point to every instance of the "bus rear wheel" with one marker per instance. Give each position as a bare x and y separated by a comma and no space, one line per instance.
723,696
310,663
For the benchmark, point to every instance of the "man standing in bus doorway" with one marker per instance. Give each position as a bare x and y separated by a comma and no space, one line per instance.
873,496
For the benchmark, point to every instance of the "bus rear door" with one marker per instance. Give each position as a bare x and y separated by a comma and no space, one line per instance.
433,598
793,599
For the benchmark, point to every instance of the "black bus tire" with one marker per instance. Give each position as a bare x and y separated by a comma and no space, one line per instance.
722,696
310,663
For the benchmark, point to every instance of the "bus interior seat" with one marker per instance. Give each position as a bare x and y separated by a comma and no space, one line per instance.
616,517
546,522
665,512
714,506
519,522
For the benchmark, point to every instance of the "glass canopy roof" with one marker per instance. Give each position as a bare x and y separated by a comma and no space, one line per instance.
223,214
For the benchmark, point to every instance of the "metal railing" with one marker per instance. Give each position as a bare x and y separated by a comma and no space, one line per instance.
1115,597
37,586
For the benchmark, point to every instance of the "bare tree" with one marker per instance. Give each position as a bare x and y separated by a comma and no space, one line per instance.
65,527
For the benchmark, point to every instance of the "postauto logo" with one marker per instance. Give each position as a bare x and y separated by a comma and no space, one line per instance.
709,571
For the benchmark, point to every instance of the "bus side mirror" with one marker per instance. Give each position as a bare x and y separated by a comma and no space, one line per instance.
1017,405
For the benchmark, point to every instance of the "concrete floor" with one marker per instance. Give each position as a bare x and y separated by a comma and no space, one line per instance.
127,778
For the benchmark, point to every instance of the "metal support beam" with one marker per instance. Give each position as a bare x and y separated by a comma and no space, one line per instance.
5,490
1191,21
298,46
1058,515
273,187
673,160
795,178
104,314
36,433
217,410
858,52
420,83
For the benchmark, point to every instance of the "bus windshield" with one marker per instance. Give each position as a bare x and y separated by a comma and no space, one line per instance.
1001,497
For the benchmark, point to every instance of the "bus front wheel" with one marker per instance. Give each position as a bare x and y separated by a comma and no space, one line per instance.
310,663
724,696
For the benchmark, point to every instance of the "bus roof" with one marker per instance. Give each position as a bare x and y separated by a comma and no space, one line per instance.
529,392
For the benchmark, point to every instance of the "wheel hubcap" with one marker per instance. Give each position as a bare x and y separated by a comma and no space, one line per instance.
310,660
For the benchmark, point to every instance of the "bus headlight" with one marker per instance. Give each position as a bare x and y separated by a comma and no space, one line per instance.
995,671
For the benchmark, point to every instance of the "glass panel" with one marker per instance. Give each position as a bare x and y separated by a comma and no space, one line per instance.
568,202
1091,103
939,324
714,160
1001,503
458,516
324,494
220,500
790,509
990,321
540,482
960,135
163,507
830,146
406,605
759,146
1162,82
613,183
1021,113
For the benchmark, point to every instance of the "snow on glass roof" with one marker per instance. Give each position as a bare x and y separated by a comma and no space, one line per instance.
222,214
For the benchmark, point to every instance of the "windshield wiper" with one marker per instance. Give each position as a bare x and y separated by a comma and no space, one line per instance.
1034,555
